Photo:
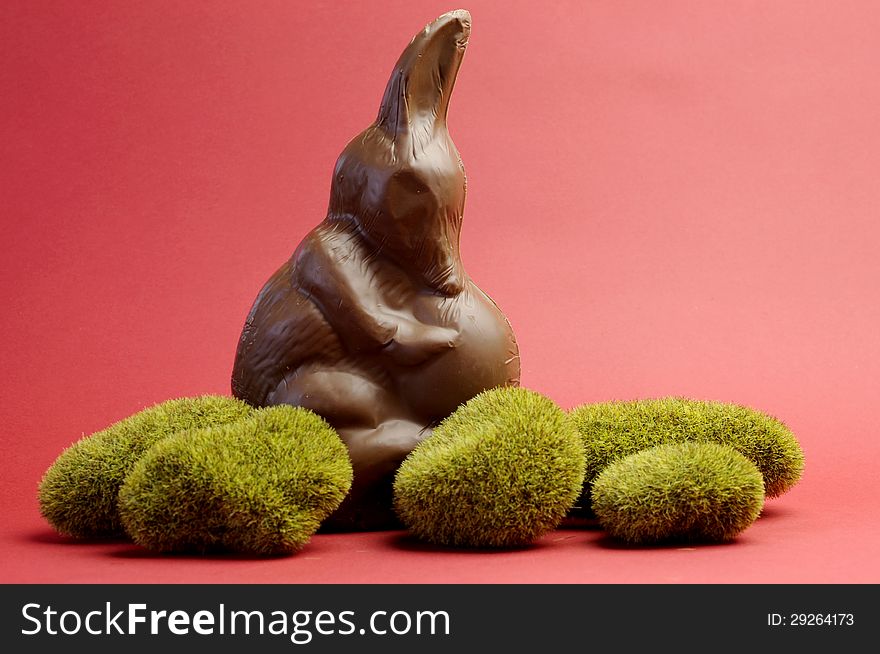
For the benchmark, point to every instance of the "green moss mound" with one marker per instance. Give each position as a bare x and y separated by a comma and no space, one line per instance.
260,486
614,430
501,471
78,493
700,492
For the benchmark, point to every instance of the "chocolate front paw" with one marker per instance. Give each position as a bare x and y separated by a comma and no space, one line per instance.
414,343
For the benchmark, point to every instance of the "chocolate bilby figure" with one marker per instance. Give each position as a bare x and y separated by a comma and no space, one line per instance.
373,323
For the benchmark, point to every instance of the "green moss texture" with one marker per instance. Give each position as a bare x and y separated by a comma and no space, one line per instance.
614,430
691,491
78,493
501,471
261,486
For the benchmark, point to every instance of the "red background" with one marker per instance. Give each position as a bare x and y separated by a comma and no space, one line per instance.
675,198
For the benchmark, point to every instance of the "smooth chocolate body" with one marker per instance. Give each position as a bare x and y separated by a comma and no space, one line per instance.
373,323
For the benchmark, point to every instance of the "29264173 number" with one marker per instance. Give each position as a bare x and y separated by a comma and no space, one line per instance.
821,619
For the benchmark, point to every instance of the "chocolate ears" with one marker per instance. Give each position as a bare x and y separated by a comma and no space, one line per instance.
417,95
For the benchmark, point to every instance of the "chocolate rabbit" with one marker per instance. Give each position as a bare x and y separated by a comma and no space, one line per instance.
373,323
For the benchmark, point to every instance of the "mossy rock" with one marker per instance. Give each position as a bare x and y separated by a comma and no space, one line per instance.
613,430
691,491
260,486
78,493
501,471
